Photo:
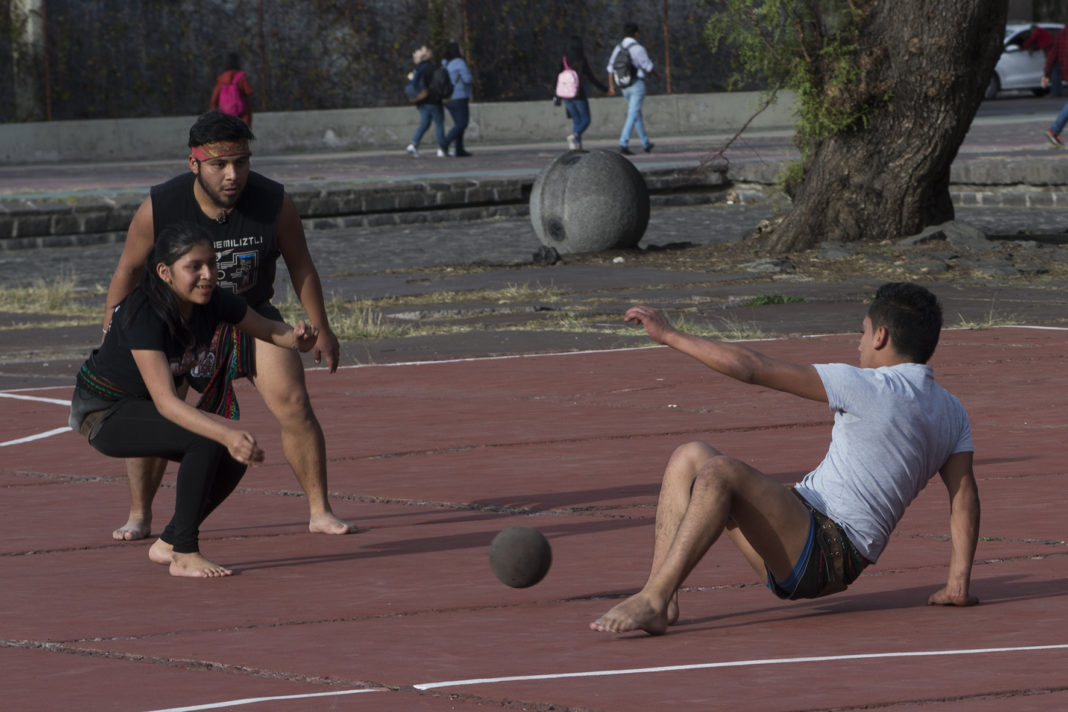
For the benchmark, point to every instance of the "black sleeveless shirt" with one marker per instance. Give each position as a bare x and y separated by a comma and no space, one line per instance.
246,245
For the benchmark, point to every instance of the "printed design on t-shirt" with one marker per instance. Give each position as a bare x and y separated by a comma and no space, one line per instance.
199,363
238,259
238,270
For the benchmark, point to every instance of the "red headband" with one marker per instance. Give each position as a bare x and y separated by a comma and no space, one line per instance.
221,149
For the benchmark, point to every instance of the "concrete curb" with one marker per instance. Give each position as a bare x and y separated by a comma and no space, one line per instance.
97,219
93,219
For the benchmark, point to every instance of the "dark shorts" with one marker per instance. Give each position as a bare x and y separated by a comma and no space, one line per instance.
828,564
268,311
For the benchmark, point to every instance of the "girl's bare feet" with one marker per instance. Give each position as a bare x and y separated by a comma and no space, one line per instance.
196,566
161,552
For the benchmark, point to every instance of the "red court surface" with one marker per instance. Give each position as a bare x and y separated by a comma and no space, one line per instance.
432,460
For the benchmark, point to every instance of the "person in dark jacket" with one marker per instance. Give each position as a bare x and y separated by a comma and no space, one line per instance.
430,106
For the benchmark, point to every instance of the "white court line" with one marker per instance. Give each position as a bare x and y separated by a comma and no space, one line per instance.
734,663
650,346
632,671
39,399
253,700
38,436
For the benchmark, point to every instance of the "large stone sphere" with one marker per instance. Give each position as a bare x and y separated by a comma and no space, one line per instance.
588,201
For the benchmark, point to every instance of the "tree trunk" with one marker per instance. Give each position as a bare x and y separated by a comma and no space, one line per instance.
889,178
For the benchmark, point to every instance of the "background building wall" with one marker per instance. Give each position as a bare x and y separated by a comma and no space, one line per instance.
148,58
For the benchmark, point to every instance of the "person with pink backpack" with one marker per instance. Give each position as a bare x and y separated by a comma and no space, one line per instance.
232,90
574,70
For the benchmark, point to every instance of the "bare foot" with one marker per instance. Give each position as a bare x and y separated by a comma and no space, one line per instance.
135,528
673,610
196,566
161,553
329,524
636,613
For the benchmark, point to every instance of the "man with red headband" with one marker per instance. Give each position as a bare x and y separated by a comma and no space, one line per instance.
252,221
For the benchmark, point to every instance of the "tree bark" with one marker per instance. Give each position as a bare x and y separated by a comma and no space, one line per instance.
889,178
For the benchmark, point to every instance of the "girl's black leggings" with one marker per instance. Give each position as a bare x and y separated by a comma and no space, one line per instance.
207,474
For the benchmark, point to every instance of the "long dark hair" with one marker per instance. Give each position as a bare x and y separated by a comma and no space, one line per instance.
576,56
173,242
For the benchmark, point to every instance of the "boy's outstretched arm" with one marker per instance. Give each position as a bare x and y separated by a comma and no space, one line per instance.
734,360
959,478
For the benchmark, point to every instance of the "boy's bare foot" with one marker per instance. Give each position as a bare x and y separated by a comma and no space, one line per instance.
636,613
196,566
161,552
329,524
135,528
673,610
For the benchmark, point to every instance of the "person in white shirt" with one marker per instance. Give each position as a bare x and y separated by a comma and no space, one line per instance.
632,87
894,428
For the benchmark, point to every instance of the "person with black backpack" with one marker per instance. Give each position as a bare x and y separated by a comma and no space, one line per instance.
628,67
422,92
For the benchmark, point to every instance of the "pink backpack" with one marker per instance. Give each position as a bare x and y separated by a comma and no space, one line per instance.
567,82
230,100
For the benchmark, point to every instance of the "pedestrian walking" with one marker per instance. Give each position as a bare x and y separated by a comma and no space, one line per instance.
628,67
426,101
458,102
578,103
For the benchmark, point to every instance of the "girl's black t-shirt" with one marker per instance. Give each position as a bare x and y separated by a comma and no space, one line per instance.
146,331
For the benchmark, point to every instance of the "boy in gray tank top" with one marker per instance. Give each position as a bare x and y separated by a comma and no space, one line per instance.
894,428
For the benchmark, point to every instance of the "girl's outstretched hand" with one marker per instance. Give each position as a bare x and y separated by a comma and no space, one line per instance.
243,448
305,335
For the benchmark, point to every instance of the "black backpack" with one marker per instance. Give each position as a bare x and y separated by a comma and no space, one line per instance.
440,85
623,69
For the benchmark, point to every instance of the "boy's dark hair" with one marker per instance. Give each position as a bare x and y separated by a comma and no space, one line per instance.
217,126
630,29
913,317
452,51
233,61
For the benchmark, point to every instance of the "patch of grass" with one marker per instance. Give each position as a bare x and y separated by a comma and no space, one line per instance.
992,319
350,319
62,323
990,322
509,293
730,329
57,296
764,300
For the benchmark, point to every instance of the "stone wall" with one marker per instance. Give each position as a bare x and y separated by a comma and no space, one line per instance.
149,58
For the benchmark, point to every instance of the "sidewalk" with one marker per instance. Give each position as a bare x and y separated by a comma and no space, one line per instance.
470,288
1005,160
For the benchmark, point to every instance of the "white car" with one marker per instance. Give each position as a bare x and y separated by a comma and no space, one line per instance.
1018,68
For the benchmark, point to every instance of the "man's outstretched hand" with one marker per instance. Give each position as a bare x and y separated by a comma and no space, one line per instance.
654,321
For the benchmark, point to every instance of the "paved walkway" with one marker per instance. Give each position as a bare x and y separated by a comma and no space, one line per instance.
411,262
